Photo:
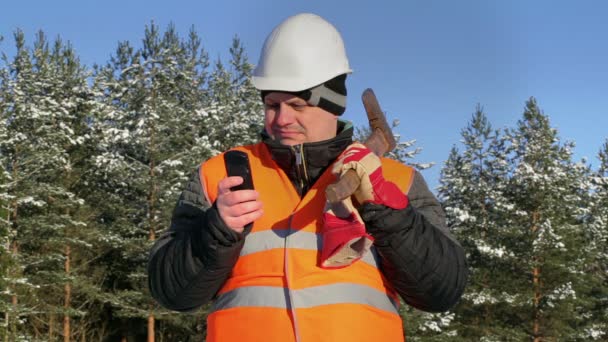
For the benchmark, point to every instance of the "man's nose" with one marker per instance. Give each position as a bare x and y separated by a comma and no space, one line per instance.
285,114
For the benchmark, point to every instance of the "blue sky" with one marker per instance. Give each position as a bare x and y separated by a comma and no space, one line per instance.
429,62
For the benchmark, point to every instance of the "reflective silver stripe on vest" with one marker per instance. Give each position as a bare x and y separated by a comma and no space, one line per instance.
271,239
276,297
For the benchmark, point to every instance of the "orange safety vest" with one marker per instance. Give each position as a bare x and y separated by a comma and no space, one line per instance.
277,291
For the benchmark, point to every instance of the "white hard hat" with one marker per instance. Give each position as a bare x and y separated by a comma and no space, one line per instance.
302,52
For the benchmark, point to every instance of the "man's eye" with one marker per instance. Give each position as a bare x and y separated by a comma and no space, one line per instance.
273,106
299,106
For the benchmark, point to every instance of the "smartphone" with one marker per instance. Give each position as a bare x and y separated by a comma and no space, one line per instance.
237,164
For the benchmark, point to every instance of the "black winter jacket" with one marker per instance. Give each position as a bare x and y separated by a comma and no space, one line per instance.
190,262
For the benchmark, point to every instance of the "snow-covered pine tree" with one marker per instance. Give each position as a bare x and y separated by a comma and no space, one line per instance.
47,99
472,192
7,260
235,108
597,246
14,153
548,191
161,119
248,108
150,131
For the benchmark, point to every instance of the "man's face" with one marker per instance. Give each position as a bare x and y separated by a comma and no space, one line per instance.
292,121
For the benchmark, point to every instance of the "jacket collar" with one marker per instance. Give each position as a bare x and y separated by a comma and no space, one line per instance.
305,163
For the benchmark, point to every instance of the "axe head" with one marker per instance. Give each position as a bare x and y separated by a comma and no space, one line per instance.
381,134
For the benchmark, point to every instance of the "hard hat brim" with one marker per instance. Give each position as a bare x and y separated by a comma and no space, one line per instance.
291,84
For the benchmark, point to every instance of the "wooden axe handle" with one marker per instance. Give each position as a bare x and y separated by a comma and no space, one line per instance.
380,141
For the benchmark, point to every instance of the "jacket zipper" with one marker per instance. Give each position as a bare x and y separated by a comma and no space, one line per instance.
301,172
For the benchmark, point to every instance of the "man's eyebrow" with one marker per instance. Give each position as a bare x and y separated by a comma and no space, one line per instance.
291,102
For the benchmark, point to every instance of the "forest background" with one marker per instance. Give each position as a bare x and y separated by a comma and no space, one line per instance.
92,159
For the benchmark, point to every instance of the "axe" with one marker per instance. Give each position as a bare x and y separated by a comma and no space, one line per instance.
380,141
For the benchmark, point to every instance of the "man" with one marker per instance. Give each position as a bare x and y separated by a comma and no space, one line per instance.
276,281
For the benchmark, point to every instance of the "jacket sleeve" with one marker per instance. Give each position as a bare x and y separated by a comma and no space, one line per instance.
190,261
424,263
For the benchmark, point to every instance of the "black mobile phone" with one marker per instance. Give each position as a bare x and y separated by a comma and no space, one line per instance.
237,164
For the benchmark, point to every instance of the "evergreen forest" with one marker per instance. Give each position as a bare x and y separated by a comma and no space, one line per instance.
93,159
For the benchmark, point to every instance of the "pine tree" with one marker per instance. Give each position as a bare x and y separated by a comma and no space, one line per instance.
153,112
235,108
473,194
597,246
518,203
549,192
47,98
163,116
7,260
16,75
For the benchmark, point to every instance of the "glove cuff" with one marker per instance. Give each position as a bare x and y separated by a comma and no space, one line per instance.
344,242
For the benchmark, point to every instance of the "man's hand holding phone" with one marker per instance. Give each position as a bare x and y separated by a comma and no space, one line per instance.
237,201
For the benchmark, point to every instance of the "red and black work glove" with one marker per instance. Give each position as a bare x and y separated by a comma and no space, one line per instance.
345,239
374,188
